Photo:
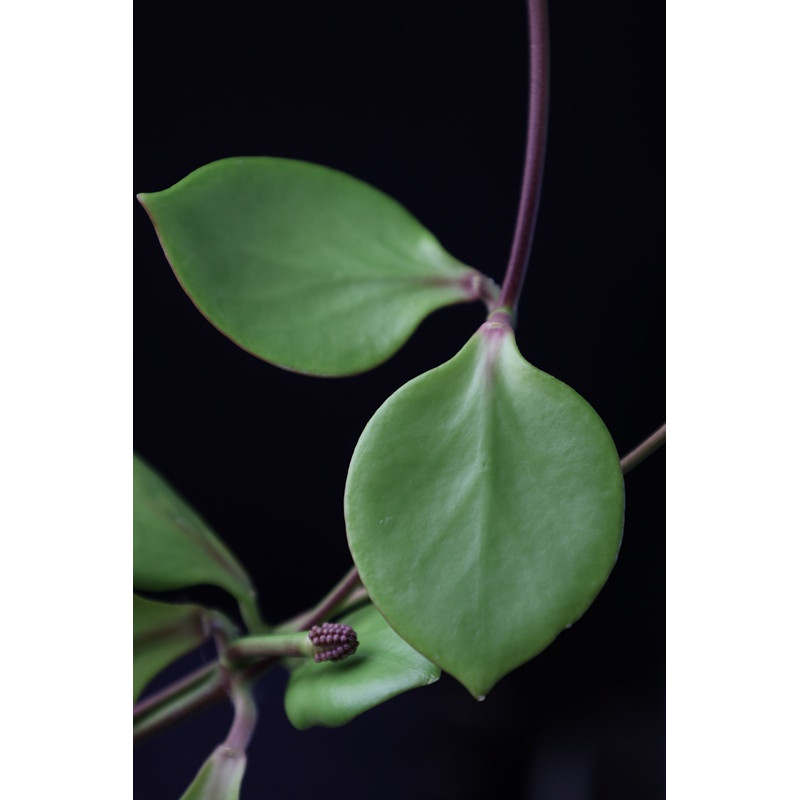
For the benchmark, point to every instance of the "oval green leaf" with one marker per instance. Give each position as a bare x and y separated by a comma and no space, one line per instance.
220,777
484,508
162,633
304,266
331,694
173,548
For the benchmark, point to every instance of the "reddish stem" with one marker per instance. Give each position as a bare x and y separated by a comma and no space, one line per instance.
534,157
645,449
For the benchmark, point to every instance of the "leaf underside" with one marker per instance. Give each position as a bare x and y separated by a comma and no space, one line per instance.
484,508
332,694
303,266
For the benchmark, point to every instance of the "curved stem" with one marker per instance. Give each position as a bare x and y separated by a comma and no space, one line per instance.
327,606
534,158
245,716
644,450
488,291
198,690
145,706
358,597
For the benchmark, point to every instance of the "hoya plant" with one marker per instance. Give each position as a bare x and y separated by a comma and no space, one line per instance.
482,505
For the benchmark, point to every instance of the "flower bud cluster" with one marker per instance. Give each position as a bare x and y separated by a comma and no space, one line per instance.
333,641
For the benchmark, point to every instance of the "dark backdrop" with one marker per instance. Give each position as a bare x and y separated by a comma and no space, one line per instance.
426,101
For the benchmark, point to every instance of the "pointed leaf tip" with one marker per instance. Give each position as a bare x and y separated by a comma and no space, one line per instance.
484,507
303,266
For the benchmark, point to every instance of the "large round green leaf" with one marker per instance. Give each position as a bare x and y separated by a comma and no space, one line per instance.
162,632
173,548
484,509
331,694
302,265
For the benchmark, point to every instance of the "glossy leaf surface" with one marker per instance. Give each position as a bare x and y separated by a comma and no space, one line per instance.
304,266
484,508
331,694
220,777
172,547
162,633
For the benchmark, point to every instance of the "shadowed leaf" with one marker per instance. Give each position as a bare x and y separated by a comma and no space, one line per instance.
162,633
173,548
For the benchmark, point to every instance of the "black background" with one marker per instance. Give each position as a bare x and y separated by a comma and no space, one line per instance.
427,102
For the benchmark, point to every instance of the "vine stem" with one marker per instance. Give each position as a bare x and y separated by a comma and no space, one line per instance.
245,716
204,687
534,159
644,450
144,707
201,688
327,606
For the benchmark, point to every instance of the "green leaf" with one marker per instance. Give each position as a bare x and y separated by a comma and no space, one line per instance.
162,632
173,548
220,777
302,265
331,694
484,509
